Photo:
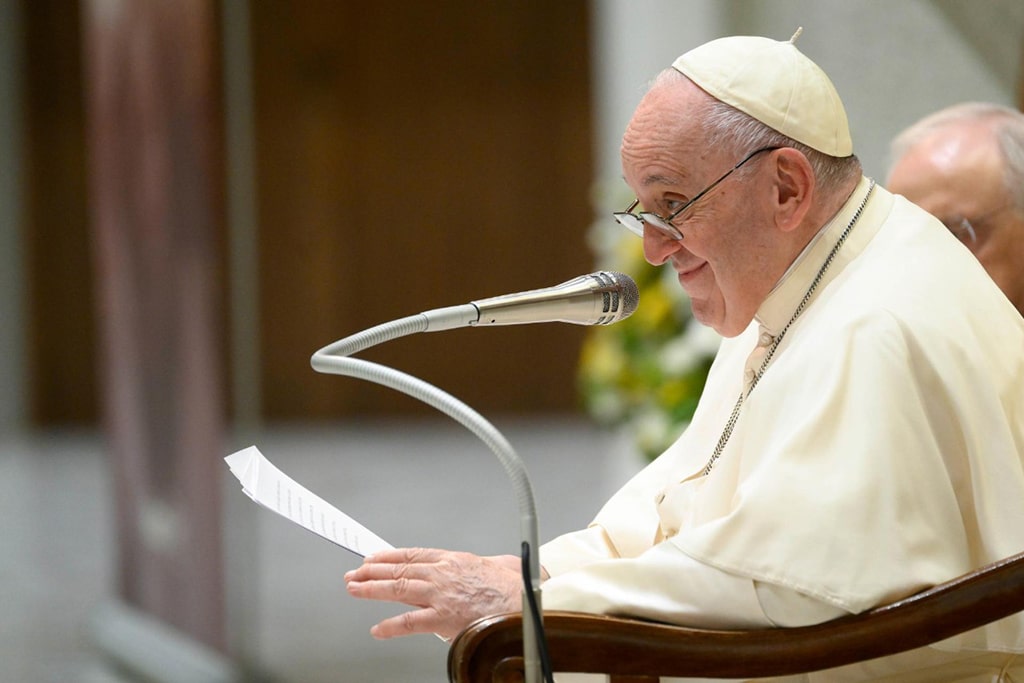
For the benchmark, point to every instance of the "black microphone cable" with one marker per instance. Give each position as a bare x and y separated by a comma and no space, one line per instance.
538,622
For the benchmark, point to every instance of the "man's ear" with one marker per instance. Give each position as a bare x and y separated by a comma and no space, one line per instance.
794,186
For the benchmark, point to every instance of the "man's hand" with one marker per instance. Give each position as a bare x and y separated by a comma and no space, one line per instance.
450,589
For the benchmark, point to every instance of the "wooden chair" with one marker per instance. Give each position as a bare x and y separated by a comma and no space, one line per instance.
634,651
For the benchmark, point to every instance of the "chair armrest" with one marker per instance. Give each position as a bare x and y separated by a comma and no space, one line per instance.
630,647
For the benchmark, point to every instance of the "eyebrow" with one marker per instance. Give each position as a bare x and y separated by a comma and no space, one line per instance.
656,179
659,180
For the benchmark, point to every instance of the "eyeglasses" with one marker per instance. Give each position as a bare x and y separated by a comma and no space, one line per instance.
962,229
966,230
635,222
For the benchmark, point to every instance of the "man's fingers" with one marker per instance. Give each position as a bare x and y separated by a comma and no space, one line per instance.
417,621
407,591
403,563
405,555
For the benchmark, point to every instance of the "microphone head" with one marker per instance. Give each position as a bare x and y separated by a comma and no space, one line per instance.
621,295
600,298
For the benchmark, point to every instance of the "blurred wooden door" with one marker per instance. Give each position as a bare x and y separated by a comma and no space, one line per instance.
413,155
410,155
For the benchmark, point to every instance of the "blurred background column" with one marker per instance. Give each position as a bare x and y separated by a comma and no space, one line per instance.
12,344
156,205
632,42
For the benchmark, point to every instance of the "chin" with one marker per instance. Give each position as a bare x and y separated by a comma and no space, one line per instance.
726,327
727,332
717,318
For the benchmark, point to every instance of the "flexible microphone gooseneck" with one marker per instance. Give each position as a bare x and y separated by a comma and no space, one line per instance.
599,298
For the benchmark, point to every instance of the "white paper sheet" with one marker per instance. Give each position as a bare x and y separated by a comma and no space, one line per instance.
275,490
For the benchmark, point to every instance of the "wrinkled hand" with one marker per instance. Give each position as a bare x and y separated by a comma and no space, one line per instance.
450,589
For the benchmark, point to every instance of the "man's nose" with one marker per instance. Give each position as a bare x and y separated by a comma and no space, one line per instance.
658,247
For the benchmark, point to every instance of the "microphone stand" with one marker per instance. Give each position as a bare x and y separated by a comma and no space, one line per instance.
334,359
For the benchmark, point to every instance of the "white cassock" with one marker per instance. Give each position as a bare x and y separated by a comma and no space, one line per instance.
881,452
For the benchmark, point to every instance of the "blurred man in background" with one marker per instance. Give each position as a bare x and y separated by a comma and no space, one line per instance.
965,165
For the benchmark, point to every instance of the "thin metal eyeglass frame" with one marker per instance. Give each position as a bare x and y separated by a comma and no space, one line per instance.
635,222
963,224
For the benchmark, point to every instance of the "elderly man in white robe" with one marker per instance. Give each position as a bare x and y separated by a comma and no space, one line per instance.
861,435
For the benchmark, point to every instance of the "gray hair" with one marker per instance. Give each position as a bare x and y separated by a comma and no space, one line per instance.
727,126
1006,124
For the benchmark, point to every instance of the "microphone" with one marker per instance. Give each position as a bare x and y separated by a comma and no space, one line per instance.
600,298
